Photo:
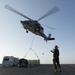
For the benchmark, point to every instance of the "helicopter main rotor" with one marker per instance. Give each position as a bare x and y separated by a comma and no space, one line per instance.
17,12
50,12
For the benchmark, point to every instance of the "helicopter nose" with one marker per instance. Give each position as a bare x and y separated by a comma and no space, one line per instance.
21,21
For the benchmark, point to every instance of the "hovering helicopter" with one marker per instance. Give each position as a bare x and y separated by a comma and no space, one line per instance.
33,25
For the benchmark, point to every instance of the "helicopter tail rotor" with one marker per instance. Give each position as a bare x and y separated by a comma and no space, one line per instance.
49,36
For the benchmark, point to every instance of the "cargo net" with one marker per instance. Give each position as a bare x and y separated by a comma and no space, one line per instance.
31,49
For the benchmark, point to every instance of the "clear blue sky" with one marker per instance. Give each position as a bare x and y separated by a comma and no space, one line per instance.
14,41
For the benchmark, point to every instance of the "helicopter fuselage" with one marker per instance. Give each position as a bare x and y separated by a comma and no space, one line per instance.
33,26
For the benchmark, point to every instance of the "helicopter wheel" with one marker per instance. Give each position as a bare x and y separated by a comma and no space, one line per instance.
26,31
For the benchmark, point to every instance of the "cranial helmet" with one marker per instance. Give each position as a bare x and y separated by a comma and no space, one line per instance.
56,46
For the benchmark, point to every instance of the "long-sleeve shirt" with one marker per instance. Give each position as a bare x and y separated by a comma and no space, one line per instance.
55,53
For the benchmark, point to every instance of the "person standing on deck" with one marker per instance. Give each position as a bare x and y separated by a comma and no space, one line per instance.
56,62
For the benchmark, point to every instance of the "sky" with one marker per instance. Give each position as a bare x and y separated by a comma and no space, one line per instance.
14,41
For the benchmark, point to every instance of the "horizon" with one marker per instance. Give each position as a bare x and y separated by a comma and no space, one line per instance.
14,41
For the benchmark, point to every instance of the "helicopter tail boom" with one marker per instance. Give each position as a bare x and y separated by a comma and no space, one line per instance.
48,38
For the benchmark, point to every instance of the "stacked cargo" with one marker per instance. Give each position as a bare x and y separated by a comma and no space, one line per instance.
33,62
10,61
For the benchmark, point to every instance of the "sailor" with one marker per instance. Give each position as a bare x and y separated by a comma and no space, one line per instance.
56,62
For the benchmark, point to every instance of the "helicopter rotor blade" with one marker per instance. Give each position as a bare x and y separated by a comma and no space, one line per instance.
15,11
49,27
50,12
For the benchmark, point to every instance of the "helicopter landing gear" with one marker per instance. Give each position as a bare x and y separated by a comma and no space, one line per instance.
26,31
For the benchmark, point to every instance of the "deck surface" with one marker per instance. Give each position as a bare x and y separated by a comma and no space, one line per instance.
38,70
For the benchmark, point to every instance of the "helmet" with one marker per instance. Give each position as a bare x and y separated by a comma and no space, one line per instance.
56,46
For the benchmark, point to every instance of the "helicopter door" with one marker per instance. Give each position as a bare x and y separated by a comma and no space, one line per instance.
37,28
41,30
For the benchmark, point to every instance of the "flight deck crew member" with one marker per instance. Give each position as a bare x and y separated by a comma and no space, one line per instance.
56,62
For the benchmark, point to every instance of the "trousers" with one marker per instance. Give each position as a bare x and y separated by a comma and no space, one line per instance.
56,63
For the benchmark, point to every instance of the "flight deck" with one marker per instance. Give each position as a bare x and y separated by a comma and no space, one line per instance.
47,69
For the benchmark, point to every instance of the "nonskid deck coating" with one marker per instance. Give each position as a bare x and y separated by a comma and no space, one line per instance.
38,70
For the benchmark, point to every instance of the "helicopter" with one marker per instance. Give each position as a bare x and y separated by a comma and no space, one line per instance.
33,25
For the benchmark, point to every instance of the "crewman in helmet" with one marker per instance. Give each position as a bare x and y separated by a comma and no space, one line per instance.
56,62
